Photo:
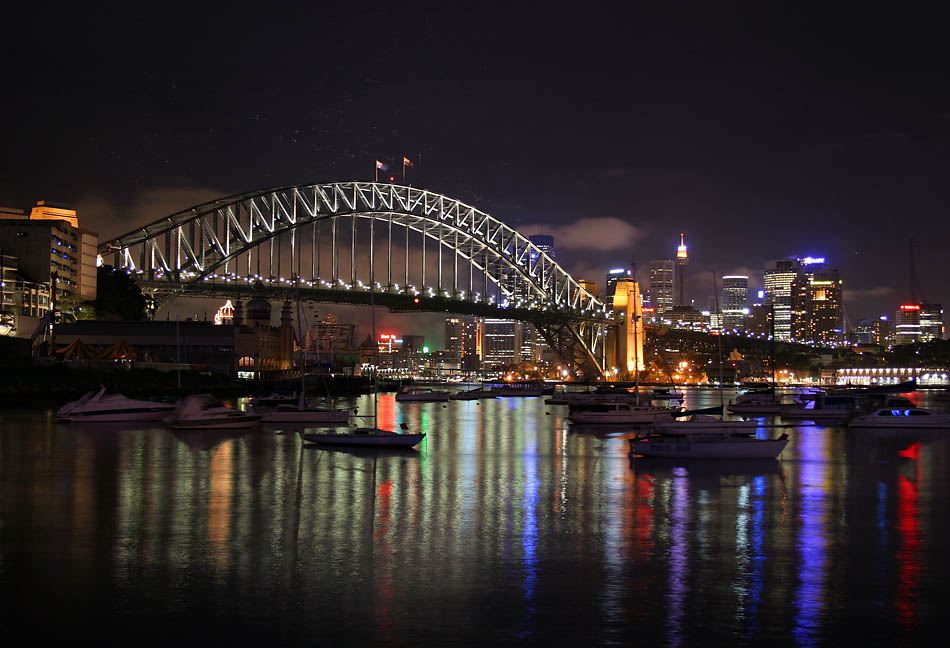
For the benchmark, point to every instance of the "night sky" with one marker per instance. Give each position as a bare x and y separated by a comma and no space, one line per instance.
760,133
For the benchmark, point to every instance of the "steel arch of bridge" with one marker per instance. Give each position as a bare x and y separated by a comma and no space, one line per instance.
215,243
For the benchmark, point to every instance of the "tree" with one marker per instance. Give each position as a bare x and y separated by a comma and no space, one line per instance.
117,296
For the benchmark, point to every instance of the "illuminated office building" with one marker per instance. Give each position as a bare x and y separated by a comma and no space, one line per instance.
779,275
500,345
661,286
918,323
816,304
735,301
545,243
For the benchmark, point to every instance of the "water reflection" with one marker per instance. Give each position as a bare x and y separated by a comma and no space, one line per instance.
507,525
812,538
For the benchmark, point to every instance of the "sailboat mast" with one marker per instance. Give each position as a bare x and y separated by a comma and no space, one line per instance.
372,315
722,401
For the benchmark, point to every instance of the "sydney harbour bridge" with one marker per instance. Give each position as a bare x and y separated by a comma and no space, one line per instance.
399,247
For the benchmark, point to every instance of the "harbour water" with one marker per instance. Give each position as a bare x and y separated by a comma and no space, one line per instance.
506,526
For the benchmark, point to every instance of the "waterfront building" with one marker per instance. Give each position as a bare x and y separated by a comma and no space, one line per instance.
50,244
500,342
920,322
23,302
931,322
661,286
263,350
735,301
462,339
682,260
331,344
779,275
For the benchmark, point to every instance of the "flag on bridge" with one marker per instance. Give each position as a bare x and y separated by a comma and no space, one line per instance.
407,162
381,165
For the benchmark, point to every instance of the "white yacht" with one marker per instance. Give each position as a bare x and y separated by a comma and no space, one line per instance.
703,424
100,407
618,412
204,412
756,403
421,394
821,408
711,446
910,417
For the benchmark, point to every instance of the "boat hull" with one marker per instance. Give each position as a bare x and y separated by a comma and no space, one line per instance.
587,418
422,399
708,448
114,417
678,428
381,440
754,409
216,424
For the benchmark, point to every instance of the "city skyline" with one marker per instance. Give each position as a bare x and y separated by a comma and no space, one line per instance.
723,126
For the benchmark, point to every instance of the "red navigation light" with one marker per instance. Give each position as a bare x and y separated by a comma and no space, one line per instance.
392,178
415,300
910,307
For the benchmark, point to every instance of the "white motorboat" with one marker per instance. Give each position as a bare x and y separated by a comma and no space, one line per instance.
100,407
703,424
202,411
618,412
667,393
711,446
421,394
821,408
366,437
910,417
301,413
756,403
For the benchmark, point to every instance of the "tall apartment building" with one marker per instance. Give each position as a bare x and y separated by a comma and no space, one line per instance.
50,241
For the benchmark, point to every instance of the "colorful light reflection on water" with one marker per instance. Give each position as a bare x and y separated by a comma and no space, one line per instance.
507,526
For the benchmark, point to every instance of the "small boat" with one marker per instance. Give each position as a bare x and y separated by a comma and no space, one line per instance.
366,437
472,394
618,412
910,417
756,403
421,394
703,424
100,407
711,446
301,413
523,389
203,411
666,393
821,408
274,400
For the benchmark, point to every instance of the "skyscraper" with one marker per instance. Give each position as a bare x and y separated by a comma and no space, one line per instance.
661,286
682,260
779,275
735,301
816,304
545,243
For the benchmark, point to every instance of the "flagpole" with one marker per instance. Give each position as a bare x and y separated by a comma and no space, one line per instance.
404,169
